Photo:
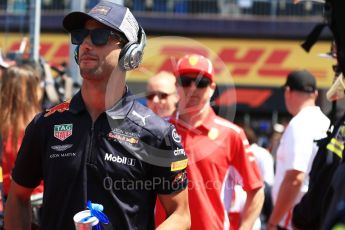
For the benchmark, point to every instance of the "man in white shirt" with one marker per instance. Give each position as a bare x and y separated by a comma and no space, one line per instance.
297,147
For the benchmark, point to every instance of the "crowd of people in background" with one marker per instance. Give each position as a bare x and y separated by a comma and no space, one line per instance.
183,98
284,173
26,88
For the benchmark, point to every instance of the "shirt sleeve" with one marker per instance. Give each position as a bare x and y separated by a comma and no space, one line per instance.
245,163
27,170
173,176
299,149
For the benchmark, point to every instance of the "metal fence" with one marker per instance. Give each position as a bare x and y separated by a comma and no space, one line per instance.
229,7
221,8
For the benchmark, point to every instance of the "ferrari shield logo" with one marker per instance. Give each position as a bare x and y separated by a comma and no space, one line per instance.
63,131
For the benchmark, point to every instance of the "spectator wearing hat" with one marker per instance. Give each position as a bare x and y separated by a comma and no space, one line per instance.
297,147
161,94
218,151
101,146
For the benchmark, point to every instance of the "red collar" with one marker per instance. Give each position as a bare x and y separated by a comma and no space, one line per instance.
207,124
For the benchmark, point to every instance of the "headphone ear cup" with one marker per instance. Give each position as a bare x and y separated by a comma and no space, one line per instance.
124,56
76,55
132,53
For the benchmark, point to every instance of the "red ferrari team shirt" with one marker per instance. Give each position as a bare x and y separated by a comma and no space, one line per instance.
219,158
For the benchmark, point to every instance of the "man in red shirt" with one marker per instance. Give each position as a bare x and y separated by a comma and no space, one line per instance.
217,150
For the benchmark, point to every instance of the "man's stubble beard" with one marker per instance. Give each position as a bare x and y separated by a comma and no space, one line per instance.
91,74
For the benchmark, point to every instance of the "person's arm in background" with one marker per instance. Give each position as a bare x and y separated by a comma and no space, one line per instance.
49,85
252,182
177,210
18,208
252,208
68,87
287,195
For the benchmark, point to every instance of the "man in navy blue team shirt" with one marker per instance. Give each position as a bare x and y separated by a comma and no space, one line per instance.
101,145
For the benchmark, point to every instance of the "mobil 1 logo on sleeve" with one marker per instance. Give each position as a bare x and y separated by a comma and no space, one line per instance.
63,131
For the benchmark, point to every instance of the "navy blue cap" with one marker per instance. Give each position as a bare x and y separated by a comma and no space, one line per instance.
301,80
108,13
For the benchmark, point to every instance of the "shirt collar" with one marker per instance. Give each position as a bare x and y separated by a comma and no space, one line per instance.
118,111
122,107
206,124
77,104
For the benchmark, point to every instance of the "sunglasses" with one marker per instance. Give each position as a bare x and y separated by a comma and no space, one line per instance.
200,82
160,95
99,37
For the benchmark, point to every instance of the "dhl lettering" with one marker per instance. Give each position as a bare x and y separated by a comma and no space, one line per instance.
62,51
45,47
14,46
277,57
232,56
244,61
273,65
240,71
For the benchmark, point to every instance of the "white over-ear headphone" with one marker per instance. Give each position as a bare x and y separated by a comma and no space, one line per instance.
132,53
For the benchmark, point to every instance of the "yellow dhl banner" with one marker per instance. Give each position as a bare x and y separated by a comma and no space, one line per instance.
245,62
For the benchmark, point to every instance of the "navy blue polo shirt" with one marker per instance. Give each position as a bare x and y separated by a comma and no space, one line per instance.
122,161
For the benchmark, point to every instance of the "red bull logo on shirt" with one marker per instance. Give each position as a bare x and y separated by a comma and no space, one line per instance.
64,106
123,138
63,131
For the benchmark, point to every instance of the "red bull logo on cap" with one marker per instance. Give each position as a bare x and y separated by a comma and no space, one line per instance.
104,10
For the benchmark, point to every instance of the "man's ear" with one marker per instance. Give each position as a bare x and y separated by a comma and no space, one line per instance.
213,88
177,96
211,93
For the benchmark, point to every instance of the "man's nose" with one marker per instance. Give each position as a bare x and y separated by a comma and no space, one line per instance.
87,41
155,98
193,85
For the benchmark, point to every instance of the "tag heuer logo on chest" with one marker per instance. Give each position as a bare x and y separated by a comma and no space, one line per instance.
63,131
